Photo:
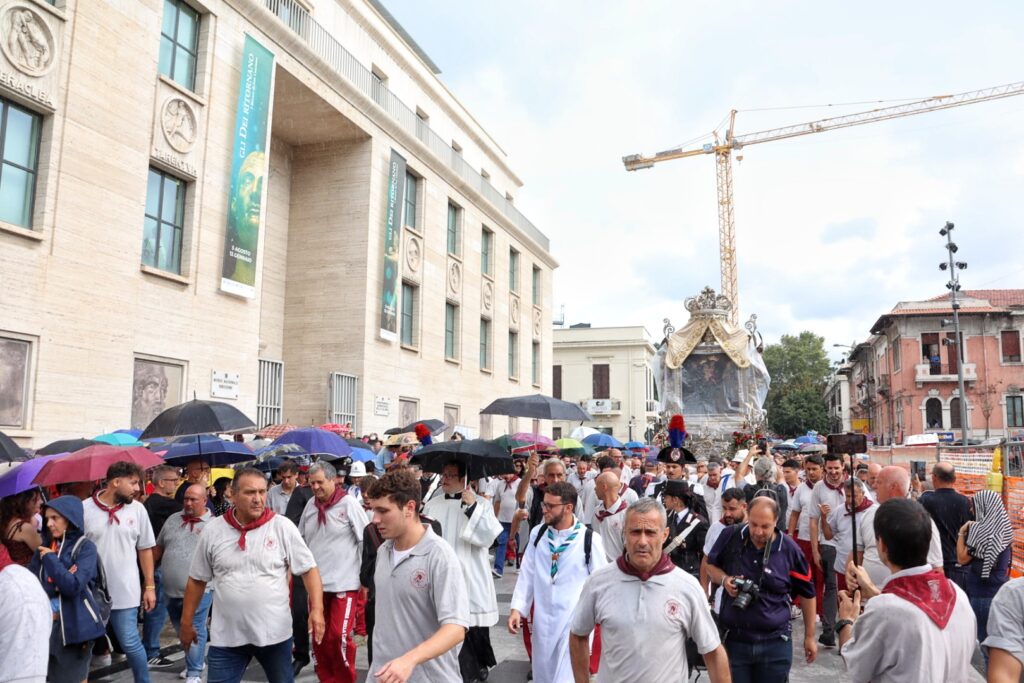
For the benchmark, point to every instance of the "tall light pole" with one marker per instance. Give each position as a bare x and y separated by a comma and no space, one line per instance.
954,286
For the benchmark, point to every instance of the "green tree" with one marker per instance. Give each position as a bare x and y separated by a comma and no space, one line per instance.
799,368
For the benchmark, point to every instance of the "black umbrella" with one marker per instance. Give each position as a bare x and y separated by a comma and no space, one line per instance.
482,458
537,406
198,417
65,446
435,427
10,451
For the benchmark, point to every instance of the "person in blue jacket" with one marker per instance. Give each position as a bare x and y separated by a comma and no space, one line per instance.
67,573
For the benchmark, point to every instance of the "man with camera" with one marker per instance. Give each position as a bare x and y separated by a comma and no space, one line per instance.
761,569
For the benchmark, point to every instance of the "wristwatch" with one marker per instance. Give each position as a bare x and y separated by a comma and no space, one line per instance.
843,623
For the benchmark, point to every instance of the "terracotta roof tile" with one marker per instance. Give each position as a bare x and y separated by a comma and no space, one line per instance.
995,297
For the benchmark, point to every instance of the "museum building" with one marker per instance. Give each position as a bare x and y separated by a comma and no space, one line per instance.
275,203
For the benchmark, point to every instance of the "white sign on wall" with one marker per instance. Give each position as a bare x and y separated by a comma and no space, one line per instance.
381,406
225,384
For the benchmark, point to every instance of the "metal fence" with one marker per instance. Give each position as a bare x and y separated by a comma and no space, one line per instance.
341,60
270,393
343,399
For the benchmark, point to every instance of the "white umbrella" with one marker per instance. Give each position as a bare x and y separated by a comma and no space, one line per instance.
580,433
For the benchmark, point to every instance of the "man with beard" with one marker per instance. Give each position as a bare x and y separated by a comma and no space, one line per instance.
734,511
120,528
556,564
686,529
469,526
641,599
675,460
826,497
799,527
332,526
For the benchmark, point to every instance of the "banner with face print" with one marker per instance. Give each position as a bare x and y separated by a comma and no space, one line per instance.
392,244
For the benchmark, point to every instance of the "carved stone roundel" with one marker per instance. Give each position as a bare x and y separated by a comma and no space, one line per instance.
27,40
514,312
455,277
536,323
178,123
413,254
488,295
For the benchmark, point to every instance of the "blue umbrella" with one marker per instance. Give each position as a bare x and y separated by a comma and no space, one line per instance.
634,445
361,455
208,448
602,441
134,433
270,464
315,442
809,437
20,478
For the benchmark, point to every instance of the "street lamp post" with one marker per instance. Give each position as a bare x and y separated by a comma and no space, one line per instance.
954,286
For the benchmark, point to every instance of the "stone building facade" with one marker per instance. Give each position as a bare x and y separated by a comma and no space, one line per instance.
120,120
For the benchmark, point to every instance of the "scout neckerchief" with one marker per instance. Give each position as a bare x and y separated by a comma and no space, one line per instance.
557,551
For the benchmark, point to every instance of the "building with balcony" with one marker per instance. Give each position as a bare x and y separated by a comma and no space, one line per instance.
837,399
275,203
904,376
607,370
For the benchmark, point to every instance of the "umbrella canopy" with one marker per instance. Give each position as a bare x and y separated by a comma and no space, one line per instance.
65,446
568,444
198,417
315,441
117,439
533,439
637,446
209,449
20,478
807,438
435,427
785,446
357,443
537,406
335,428
512,445
582,432
221,472
361,455
90,464
602,441
482,458
812,448
273,431
134,433
285,450
10,451
270,464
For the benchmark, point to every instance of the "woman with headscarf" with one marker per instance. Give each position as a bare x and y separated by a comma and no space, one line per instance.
983,546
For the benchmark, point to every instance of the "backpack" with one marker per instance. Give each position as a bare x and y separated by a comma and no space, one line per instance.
588,542
98,586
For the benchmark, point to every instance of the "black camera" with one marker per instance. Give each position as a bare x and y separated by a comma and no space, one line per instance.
746,592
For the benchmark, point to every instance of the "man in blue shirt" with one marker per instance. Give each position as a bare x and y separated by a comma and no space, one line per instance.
758,636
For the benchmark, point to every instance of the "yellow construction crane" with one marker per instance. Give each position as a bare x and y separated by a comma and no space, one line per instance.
723,149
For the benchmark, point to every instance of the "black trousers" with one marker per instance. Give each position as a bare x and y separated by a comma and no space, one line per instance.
476,654
300,619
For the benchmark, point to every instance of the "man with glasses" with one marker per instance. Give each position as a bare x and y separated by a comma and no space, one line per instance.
560,555
196,472
160,505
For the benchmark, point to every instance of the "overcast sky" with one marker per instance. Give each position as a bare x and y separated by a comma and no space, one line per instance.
832,230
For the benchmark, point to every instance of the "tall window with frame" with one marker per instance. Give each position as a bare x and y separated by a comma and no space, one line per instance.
485,344
535,283
165,222
454,229
1015,411
486,251
179,43
513,355
408,327
411,200
1010,341
451,331
513,270
19,135
535,363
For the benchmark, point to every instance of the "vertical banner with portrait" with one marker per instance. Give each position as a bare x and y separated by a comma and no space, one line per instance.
156,386
15,356
392,243
248,170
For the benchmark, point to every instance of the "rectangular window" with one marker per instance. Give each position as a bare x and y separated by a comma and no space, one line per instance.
15,362
1011,346
409,317
513,355
486,248
19,138
165,222
1015,411
408,410
896,354
270,393
536,286
451,331
600,382
513,270
411,194
556,381
179,43
454,220
485,344
535,363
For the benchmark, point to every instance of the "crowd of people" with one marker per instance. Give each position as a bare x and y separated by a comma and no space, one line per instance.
708,561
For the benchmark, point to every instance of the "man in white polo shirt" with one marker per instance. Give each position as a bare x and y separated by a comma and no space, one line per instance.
250,551
120,527
332,524
422,603
610,513
640,599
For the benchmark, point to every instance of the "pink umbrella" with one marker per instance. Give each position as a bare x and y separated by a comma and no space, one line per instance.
535,439
90,464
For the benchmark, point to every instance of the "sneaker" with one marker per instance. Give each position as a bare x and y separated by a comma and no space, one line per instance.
794,612
184,674
827,639
495,574
160,662
100,661
194,679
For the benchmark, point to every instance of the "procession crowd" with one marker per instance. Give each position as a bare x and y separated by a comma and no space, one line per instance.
630,567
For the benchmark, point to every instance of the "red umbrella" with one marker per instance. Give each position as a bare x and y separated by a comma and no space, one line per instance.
273,431
340,430
90,464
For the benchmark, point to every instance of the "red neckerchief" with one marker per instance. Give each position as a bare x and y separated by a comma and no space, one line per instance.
834,488
111,511
5,557
931,592
267,515
645,481
322,508
792,489
604,514
623,489
864,505
664,566
809,485
191,521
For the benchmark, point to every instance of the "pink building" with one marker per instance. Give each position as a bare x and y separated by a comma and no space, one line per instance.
903,379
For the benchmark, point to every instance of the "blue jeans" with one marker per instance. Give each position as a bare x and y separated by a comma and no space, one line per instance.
956,574
766,661
228,664
981,608
499,553
153,621
125,623
197,653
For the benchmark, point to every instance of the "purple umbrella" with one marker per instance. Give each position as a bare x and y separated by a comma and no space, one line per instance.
20,478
